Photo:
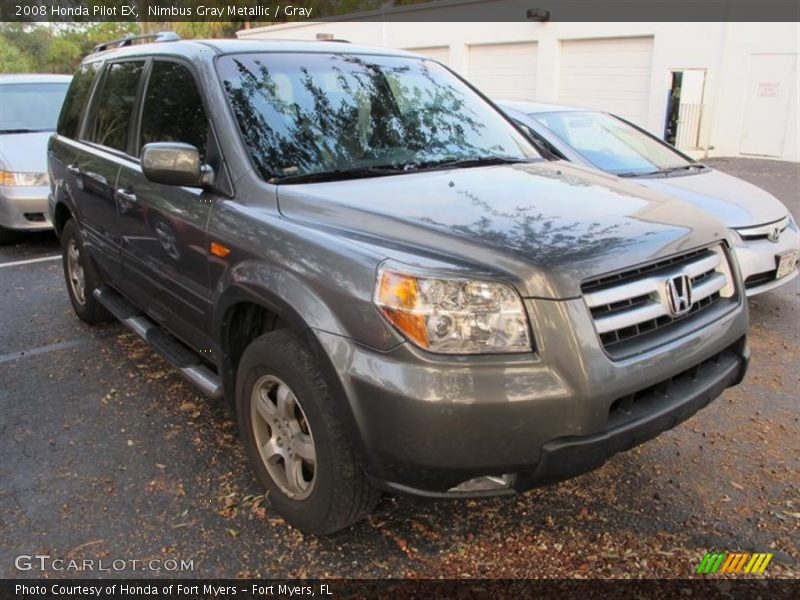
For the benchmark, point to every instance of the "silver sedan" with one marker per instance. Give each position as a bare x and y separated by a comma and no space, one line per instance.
767,238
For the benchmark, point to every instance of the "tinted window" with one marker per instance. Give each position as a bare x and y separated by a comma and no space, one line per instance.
77,97
115,105
27,107
316,113
173,109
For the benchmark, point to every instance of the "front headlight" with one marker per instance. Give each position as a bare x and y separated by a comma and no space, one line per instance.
10,178
454,316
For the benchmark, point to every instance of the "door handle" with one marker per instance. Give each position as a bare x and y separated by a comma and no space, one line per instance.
126,196
74,169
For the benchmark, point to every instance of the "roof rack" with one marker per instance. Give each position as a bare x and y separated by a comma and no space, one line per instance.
160,36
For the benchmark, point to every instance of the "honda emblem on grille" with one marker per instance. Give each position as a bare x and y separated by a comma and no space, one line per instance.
679,294
774,235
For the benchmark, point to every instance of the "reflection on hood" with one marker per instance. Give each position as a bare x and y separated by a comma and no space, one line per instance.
556,224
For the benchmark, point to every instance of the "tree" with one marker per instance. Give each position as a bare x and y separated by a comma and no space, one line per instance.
37,48
62,56
12,59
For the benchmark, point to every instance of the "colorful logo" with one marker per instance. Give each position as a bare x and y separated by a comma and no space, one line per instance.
736,562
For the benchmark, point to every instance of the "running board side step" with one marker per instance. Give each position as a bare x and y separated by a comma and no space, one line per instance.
173,350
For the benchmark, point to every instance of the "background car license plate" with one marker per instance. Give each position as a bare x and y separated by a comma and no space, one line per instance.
786,263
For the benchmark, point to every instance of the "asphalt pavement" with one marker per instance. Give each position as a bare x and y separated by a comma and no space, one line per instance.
107,453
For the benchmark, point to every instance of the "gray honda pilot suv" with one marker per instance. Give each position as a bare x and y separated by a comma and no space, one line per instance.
377,271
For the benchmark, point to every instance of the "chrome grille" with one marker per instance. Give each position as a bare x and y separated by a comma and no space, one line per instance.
763,232
633,305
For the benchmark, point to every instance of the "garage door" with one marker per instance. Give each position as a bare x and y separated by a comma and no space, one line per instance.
504,71
440,53
609,74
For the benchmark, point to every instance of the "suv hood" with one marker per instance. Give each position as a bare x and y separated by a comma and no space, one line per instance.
734,202
24,152
543,226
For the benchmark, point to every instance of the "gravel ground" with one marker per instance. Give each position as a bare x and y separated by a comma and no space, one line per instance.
106,452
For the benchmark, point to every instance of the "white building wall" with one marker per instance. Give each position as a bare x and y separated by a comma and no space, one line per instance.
722,50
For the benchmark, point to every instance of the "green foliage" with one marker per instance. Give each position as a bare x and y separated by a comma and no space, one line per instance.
12,59
51,48
197,30
62,55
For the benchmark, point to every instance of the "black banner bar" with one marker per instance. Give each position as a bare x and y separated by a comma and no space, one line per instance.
340,589
261,12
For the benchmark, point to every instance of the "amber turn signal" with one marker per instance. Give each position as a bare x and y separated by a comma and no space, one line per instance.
219,250
398,297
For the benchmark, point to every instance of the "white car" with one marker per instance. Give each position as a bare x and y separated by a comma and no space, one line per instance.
767,236
29,109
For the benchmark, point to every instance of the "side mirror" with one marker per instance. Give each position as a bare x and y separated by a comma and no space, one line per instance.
175,163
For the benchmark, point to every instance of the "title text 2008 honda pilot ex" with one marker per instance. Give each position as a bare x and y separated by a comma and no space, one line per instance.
366,259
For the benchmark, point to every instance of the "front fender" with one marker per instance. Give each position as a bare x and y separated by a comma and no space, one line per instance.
277,290
304,312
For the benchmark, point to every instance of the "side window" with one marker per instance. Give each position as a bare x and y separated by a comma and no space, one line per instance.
76,100
173,108
115,105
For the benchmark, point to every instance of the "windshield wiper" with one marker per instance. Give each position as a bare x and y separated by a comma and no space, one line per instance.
665,171
683,168
462,163
3,131
340,174
395,169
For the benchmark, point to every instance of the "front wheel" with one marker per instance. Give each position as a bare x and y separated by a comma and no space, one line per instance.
294,442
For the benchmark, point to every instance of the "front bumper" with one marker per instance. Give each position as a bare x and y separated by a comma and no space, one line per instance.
427,424
24,208
659,410
758,261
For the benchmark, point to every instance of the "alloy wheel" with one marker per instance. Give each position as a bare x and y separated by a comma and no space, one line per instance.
77,280
283,437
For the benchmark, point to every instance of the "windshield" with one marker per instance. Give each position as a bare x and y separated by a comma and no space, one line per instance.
26,107
609,143
305,114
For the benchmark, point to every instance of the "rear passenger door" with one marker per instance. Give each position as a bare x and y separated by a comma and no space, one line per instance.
95,162
164,227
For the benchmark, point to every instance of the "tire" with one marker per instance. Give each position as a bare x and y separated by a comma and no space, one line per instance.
9,236
81,277
337,492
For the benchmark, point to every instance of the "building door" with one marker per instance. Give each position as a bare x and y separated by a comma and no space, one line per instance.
686,109
770,94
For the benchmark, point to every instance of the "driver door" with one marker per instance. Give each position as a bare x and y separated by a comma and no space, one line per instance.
164,254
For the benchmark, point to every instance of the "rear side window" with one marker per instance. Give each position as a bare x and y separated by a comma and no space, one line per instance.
115,105
76,100
173,108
